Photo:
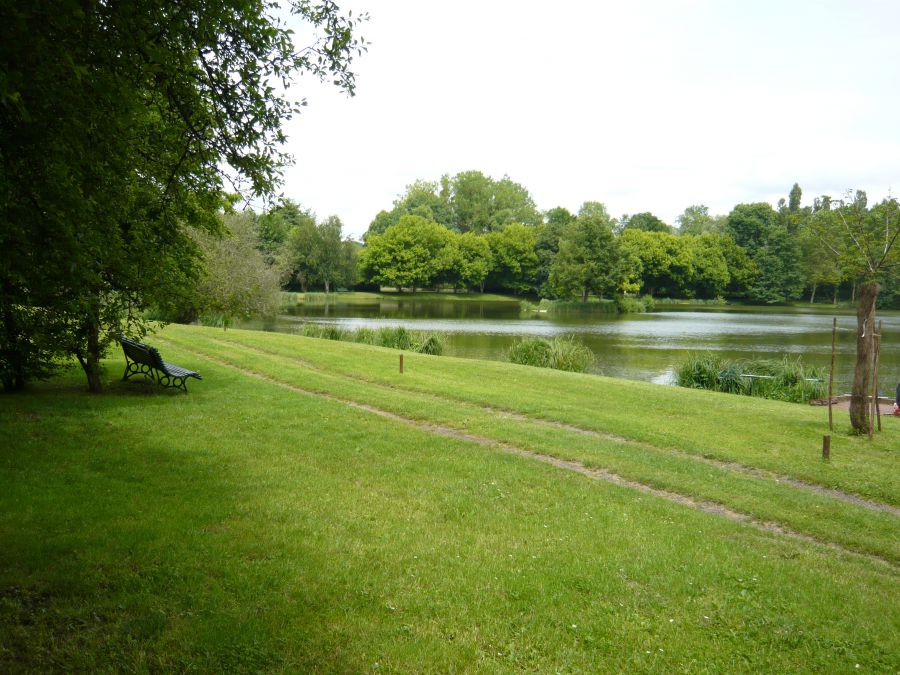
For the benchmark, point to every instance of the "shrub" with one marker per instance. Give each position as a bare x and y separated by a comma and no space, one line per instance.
530,352
433,343
394,338
785,380
365,336
569,354
560,353
325,331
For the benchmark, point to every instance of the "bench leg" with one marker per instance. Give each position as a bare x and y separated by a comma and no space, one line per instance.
132,369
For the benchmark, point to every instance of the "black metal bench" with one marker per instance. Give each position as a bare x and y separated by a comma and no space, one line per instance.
141,359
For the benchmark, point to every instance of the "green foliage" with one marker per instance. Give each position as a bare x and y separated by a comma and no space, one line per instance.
590,259
409,254
696,220
237,282
772,248
391,337
629,304
119,124
514,256
466,202
315,255
785,380
645,222
467,261
560,353
665,262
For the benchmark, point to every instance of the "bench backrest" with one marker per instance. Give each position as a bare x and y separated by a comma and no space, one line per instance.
141,353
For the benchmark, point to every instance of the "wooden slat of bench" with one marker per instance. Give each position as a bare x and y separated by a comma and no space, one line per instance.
178,371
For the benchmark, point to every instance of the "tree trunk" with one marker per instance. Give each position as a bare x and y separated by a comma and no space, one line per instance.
836,289
812,296
13,357
865,351
584,295
327,286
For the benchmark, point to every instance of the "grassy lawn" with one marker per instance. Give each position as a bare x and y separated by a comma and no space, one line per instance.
259,523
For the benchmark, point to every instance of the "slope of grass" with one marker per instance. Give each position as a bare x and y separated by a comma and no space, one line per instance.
247,527
767,499
781,437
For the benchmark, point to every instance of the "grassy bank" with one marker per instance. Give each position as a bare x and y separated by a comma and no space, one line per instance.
262,523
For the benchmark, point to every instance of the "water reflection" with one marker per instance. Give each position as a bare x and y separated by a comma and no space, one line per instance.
638,346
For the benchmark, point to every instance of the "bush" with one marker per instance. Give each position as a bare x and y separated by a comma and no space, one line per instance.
560,353
325,331
433,344
530,352
394,338
627,304
785,380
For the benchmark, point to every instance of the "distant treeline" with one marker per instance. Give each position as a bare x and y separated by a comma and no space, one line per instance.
471,232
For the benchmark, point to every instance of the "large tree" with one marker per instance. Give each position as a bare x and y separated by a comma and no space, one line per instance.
409,254
774,250
590,259
120,124
863,242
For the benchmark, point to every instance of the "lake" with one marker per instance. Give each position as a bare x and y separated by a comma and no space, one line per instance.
635,346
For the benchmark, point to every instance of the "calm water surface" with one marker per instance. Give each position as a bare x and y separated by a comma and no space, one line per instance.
634,346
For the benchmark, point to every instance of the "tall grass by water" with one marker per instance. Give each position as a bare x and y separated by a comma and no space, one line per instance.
394,338
560,353
621,304
786,380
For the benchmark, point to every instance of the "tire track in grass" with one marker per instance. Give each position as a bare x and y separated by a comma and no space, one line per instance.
604,475
725,465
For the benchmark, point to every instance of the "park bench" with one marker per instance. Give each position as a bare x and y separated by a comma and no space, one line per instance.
141,359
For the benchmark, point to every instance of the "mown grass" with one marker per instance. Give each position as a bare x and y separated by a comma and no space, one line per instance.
659,466
772,435
247,527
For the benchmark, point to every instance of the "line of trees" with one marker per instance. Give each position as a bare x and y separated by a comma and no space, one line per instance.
463,232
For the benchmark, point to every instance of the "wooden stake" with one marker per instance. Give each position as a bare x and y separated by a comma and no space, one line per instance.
401,364
831,374
826,447
875,374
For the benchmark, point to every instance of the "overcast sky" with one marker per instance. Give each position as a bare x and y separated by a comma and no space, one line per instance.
642,105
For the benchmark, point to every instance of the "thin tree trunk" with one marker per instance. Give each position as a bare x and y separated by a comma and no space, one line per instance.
862,375
90,362
14,355
584,295
836,288
812,296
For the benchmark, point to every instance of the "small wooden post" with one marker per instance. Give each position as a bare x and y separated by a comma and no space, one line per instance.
831,374
877,337
826,447
401,364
